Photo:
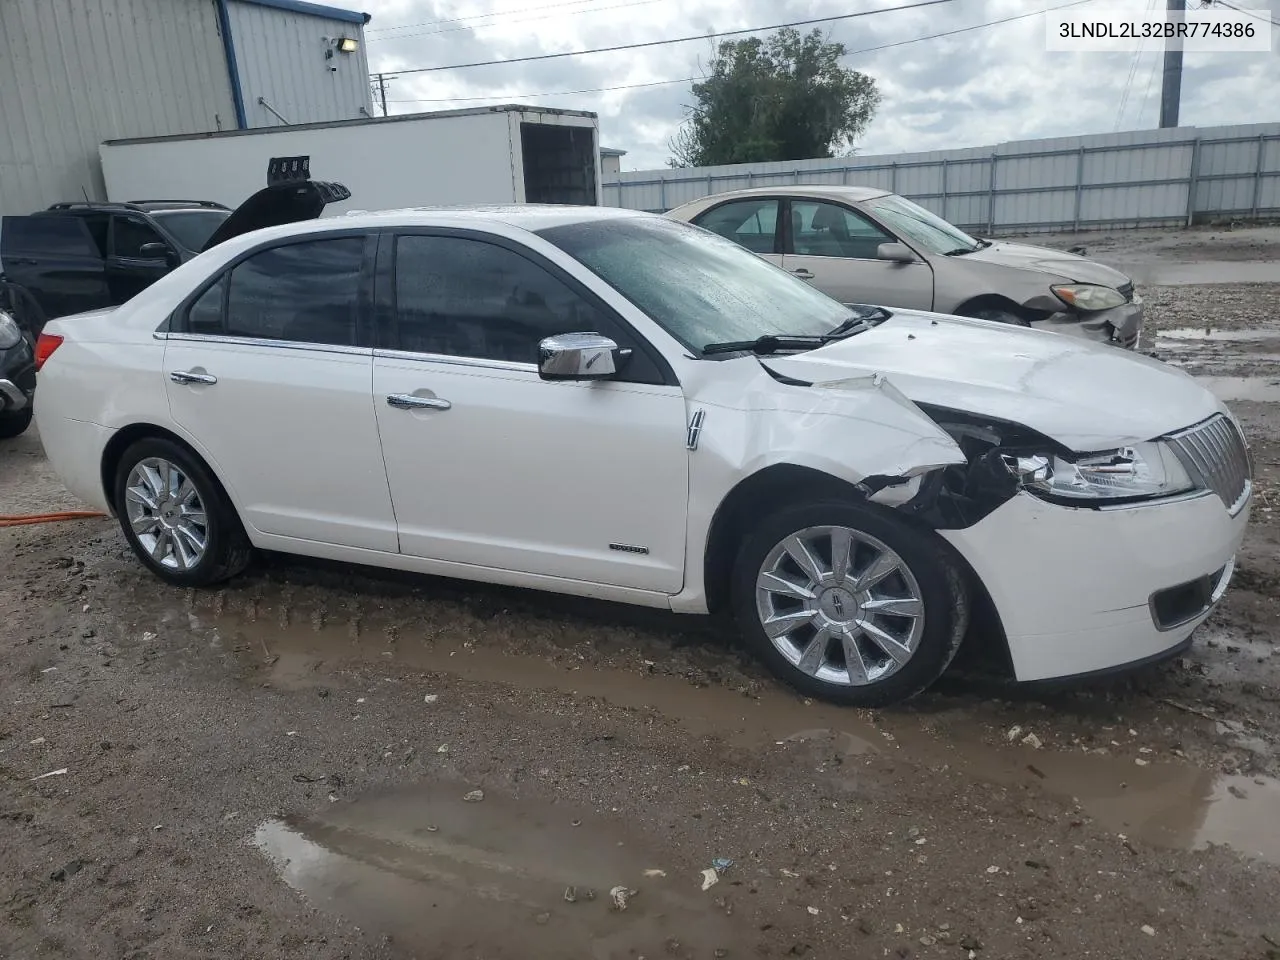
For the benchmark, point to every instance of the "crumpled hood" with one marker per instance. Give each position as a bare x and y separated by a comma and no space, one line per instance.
1055,263
1087,396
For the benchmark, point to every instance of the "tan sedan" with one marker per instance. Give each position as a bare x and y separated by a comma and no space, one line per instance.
868,246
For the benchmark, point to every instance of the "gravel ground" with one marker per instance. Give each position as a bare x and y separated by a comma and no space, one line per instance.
281,768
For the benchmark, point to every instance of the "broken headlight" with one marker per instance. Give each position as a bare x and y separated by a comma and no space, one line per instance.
1140,471
1089,296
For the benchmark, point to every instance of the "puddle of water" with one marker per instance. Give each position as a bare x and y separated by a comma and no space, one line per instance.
1205,272
449,878
1212,334
1175,805
1254,389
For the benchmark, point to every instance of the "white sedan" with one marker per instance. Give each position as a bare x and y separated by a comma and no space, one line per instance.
616,405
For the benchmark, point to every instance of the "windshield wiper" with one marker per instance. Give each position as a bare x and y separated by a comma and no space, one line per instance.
863,318
960,251
769,343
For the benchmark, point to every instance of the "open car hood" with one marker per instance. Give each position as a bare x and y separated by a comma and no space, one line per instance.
278,204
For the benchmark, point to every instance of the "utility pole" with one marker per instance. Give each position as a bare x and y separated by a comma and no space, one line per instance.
380,83
1171,83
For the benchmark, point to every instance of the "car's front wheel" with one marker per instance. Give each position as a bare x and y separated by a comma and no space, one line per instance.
14,423
848,603
176,516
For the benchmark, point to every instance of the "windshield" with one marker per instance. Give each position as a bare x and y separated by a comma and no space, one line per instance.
699,287
191,228
918,225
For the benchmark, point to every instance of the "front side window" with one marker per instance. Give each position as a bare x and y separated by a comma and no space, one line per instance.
820,229
131,235
750,223
466,298
699,287
302,292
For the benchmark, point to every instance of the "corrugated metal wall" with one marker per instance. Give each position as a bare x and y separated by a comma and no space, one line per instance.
73,74
1139,178
280,56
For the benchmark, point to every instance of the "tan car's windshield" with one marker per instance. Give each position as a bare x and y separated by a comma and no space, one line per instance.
921,227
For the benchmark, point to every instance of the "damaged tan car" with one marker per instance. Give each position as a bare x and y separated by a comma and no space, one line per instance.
860,245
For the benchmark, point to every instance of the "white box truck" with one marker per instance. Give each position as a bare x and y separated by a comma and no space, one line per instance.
500,154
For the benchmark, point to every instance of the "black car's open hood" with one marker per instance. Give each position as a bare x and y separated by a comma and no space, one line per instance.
277,204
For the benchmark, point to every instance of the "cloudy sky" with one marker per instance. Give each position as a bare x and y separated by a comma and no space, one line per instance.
978,87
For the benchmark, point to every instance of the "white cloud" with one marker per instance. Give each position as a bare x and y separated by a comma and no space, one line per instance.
977,87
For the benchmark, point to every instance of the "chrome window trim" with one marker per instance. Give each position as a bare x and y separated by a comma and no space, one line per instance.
266,342
509,366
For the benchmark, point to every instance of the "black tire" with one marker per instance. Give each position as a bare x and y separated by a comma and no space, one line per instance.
14,424
942,589
227,549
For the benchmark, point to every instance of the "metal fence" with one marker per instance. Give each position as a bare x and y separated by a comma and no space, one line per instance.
1140,178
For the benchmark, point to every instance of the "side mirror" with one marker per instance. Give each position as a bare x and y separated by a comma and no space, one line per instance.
579,356
158,251
896,252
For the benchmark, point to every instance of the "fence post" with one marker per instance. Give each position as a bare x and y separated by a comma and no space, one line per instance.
991,196
1079,189
796,174
1193,179
662,194
619,193
750,178
844,175
1257,175
944,189
893,177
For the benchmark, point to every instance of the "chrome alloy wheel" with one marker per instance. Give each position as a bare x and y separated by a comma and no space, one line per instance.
166,513
840,605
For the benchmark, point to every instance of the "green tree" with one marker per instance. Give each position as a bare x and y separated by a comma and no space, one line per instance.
784,97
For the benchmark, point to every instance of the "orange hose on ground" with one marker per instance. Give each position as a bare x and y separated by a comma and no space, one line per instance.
20,521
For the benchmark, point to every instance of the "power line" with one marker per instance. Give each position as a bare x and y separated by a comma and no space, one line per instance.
662,83
485,26
478,16
1252,13
662,43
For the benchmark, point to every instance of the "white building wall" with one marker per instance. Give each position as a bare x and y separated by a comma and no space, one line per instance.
75,73
280,56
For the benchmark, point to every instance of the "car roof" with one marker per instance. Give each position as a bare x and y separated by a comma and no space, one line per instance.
137,206
833,191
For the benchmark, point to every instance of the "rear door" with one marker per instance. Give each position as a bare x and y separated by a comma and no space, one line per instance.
269,371
835,248
752,223
130,268
54,257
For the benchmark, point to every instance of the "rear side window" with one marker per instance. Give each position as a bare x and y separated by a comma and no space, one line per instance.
303,292
751,223
52,236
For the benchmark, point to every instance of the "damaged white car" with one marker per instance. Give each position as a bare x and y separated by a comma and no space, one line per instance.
618,405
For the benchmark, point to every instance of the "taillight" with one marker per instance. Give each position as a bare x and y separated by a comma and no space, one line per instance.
45,346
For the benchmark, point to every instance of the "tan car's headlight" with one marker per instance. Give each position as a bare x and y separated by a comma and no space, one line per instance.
1089,296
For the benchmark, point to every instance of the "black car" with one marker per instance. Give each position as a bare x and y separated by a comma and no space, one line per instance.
17,369
83,256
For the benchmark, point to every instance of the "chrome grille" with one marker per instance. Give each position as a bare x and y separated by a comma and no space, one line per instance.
1215,452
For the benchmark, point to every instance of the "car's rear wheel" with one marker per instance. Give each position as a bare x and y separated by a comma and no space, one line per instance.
848,603
176,516
15,423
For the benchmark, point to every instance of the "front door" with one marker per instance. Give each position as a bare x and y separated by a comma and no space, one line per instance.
491,466
130,267
835,249
269,373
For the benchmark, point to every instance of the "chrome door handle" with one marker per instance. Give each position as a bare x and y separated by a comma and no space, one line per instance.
803,273
404,401
182,376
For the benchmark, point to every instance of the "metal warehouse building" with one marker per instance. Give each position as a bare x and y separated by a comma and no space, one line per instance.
74,73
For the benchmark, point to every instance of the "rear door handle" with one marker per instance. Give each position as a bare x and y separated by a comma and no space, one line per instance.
803,273
405,401
184,376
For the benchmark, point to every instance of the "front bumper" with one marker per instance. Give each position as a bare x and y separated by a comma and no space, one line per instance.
17,378
1082,591
1120,326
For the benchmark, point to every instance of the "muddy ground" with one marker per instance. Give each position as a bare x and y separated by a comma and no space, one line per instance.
288,766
